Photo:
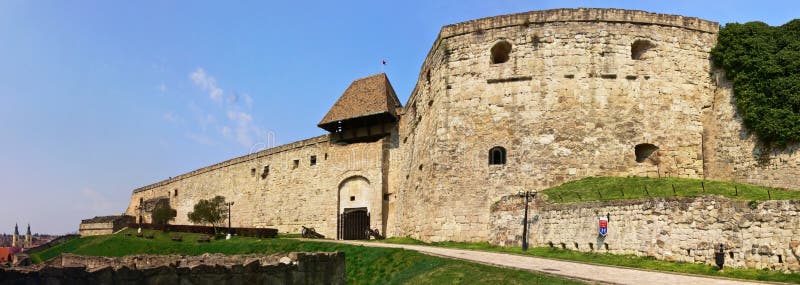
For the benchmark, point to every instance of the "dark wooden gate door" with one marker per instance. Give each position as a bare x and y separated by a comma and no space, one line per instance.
354,224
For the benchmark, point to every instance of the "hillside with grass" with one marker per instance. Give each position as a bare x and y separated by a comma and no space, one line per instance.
364,265
616,188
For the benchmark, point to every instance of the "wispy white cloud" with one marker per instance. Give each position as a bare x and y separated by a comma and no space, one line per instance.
248,100
162,88
245,129
207,83
236,122
226,132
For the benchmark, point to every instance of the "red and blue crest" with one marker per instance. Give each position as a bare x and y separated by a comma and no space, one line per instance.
603,226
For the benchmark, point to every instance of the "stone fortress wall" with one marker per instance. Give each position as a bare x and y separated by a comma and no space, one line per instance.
292,194
763,235
580,90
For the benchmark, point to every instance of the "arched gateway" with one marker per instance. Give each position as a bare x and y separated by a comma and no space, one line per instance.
354,209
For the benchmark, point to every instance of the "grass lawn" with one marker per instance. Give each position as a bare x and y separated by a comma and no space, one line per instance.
619,260
615,188
365,265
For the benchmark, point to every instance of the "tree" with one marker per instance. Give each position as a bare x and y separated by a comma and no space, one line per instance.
209,212
764,64
163,213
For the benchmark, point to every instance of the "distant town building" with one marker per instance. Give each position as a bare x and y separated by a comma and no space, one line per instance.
5,254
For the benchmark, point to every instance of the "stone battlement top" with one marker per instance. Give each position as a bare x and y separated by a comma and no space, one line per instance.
579,15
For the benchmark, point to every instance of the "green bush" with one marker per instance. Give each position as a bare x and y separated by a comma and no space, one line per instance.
764,64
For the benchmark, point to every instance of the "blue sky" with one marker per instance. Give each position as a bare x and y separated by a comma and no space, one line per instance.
100,97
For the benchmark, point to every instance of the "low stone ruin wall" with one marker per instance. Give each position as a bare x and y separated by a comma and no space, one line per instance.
754,235
292,268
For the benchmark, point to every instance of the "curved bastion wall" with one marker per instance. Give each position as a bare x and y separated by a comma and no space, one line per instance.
567,94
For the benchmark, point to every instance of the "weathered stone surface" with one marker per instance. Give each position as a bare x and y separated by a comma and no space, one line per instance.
288,197
657,231
580,89
301,268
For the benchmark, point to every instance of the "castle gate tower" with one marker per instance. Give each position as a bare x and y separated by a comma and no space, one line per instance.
364,113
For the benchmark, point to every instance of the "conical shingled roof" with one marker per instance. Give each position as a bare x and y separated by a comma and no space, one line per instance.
368,96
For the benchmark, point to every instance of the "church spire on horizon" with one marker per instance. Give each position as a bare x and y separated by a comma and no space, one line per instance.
15,238
28,237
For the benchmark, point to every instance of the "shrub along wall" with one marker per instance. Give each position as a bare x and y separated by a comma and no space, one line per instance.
754,234
764,62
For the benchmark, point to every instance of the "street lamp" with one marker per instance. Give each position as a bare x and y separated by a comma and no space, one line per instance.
141,219
229,204
528,195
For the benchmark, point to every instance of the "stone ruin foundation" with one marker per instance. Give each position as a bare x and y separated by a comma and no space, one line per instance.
292,268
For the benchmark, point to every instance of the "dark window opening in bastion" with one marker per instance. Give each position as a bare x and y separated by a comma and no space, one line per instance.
313,160
352,198
326,156
141,200
253,172
296,164
639,49
497,156
643,151
500,52
175,193
428,76
265,173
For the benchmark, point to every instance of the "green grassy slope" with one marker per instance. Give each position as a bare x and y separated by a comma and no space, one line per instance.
614,188
365,265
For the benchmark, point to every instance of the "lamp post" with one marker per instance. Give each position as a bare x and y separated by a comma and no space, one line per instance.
527,195
229,204
140,208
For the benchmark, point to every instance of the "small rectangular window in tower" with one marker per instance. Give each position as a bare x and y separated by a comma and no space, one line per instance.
176,192
253,171
296,164
265,173
326,156
313,160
